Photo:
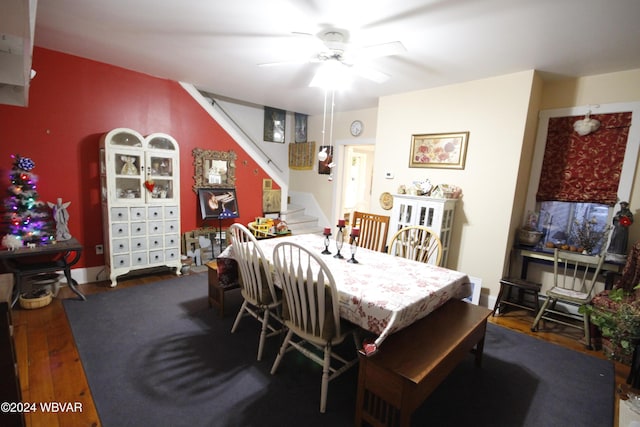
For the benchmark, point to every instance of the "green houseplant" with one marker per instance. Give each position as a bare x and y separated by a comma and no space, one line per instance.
620,326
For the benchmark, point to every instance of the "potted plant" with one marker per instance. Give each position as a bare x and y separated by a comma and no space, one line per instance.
620,327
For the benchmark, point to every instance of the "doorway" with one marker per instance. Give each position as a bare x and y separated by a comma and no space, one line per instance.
357,174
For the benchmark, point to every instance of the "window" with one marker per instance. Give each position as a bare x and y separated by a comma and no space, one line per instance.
561,214
561,222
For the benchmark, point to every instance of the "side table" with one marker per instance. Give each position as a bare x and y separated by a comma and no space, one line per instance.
25,262
223,277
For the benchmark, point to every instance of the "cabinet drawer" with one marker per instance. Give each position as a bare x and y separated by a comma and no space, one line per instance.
171,240
138,213
120,246
138,244
155,242
156,227
138,228
171,227
170,212
119,230
156,257
155,212
172,254
139,258
119,214
120,261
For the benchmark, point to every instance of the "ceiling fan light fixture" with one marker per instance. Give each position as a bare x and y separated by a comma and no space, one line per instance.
332,75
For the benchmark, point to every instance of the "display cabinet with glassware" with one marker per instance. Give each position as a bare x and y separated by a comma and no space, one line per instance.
140,194
431,212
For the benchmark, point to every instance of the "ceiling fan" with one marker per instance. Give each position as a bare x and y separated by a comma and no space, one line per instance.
332,49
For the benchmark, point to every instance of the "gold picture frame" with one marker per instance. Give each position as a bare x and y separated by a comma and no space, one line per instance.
213,169
439,150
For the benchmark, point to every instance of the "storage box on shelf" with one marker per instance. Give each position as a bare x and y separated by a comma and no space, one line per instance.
140,182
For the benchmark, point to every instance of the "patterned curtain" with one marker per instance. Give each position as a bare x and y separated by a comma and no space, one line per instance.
584,168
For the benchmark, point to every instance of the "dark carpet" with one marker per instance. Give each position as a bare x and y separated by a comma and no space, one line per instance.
156,355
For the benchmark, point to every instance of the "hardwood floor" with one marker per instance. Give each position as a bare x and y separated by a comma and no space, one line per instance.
50,369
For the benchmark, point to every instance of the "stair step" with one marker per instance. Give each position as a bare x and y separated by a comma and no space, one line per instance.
301,219
292,211
298,222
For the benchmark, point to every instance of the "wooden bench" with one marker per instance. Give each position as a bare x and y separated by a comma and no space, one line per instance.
414,361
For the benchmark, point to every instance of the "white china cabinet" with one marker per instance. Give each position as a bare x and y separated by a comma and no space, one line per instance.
434,213
140,194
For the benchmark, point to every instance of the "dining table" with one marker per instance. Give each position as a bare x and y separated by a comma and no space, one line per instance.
381,293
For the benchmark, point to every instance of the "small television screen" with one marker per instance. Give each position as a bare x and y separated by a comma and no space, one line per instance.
218,203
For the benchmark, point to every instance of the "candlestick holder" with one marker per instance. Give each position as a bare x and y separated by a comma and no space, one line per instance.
326,243
354,248
339,241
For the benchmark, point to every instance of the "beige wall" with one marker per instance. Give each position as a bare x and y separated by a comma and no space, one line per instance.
319,185
590,90
501,115
495,113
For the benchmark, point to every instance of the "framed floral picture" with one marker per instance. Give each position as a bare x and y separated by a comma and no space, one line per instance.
439,150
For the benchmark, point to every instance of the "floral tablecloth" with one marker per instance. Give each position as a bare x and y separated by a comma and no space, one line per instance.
381,293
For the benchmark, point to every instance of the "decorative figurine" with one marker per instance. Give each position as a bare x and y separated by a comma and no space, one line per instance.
12,242
129,167
620,236
61,216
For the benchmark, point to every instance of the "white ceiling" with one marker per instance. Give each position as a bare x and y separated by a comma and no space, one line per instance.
217,45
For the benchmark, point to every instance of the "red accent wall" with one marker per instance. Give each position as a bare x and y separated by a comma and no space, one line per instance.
73,101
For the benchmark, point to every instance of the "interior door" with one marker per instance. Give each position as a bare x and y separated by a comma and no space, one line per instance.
357,175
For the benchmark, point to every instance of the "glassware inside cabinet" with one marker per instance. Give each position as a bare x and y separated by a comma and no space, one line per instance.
161,166
128,188
163,189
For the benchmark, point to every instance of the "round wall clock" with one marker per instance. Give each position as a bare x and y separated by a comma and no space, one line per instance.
386,201
356,127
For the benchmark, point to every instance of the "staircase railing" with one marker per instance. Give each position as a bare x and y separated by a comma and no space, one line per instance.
241,137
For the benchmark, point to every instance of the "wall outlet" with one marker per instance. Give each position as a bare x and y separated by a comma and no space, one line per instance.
99,249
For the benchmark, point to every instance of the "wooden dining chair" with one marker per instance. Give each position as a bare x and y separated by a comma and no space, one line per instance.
311,312
574,279
418,243
262,300
373,230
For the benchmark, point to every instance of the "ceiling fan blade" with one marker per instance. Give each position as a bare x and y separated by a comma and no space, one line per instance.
290,62
379,50
370,73
316,42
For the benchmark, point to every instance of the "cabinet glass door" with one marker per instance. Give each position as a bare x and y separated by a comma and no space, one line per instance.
160,171
406,211
128,168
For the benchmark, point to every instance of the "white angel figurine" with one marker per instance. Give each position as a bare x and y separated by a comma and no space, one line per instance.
61,216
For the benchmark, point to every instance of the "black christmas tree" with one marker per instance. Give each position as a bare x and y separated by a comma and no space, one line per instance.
27,217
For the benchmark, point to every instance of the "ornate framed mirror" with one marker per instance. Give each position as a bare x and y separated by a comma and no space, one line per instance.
214,169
